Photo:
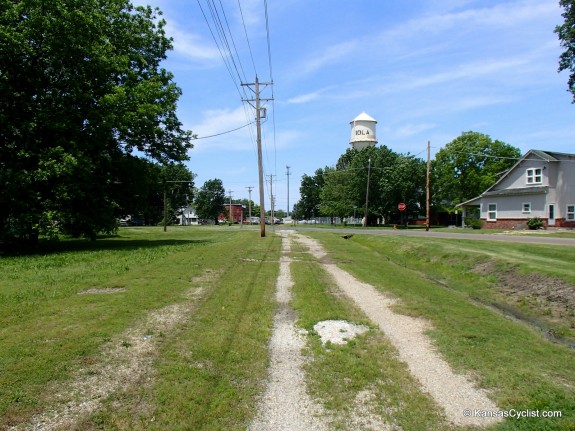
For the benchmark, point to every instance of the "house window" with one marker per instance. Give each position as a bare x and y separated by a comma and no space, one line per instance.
534,176
492,212
527,207
570,212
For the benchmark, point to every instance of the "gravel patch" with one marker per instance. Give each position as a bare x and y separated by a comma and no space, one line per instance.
285,405
453,392
338,331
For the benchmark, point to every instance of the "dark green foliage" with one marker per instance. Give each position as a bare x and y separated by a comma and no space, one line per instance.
393,178
467,166
535,223
474,222
81,89
310,189
566,34
209,202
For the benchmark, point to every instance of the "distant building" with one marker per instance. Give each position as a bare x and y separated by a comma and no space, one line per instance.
363,132
188,217
235,210
541,184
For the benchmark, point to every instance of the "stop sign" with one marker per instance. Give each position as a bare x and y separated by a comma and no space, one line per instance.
401,207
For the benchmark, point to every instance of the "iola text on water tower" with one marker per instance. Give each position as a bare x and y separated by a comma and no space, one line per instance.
362,132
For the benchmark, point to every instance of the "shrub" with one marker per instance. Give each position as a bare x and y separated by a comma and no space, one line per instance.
475,223
535,223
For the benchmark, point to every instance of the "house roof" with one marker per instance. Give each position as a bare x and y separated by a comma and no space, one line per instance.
516,192
548,156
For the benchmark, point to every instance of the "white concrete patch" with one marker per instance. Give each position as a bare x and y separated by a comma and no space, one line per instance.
338,331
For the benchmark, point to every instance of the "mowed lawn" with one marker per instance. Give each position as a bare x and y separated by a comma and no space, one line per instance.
63,310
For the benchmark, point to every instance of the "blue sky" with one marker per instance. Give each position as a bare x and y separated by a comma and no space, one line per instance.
426,70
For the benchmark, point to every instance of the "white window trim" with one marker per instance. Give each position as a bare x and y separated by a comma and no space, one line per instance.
570,213
489,212
532,173
523,208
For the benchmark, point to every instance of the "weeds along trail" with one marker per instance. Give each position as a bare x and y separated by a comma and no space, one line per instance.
453,392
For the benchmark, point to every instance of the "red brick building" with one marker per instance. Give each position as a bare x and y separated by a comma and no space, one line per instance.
236,211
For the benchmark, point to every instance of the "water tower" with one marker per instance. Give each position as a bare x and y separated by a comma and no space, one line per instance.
362,132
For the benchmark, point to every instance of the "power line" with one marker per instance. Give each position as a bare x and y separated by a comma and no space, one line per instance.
223,133
247,39
220,49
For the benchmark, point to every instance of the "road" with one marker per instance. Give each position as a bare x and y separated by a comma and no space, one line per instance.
539,238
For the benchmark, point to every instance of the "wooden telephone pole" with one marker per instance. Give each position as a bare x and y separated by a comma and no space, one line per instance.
255,103
427,188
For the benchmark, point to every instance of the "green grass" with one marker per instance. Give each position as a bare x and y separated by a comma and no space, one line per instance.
514,362
338,374
47,330
208,372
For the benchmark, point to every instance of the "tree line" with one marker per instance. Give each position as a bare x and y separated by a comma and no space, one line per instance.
88,125
89,131
461,170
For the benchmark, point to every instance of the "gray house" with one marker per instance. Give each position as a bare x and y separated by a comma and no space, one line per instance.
541,184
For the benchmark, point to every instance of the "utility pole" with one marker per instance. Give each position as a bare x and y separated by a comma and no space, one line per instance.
288,174
272,198
367,193
427,188
250,203
258,109
231,213
165,208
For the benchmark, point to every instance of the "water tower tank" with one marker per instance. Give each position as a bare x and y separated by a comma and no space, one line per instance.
362,131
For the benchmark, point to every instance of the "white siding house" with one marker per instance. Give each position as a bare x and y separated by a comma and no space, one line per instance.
187,216
541,184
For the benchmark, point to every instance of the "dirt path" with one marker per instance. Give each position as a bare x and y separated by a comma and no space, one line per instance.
126,361
285,404
453,392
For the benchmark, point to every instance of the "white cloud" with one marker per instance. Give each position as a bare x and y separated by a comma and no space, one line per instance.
408,130
304,98
330,55
213,130
191,45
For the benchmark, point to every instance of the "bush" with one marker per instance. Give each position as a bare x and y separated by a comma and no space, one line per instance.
475,223
535,223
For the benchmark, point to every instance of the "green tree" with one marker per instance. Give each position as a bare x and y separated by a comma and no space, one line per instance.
81,88
210,200
467,166
373,161
336,198
310,190
404,181
566,33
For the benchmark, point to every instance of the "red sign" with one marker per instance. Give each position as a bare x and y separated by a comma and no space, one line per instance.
401,207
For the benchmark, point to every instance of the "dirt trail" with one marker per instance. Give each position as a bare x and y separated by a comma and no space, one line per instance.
453,392
285,404
126,361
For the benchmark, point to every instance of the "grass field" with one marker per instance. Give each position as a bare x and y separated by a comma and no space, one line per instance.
196,304
435,279
49,332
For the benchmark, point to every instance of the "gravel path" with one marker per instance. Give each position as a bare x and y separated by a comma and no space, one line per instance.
453,392
285,404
